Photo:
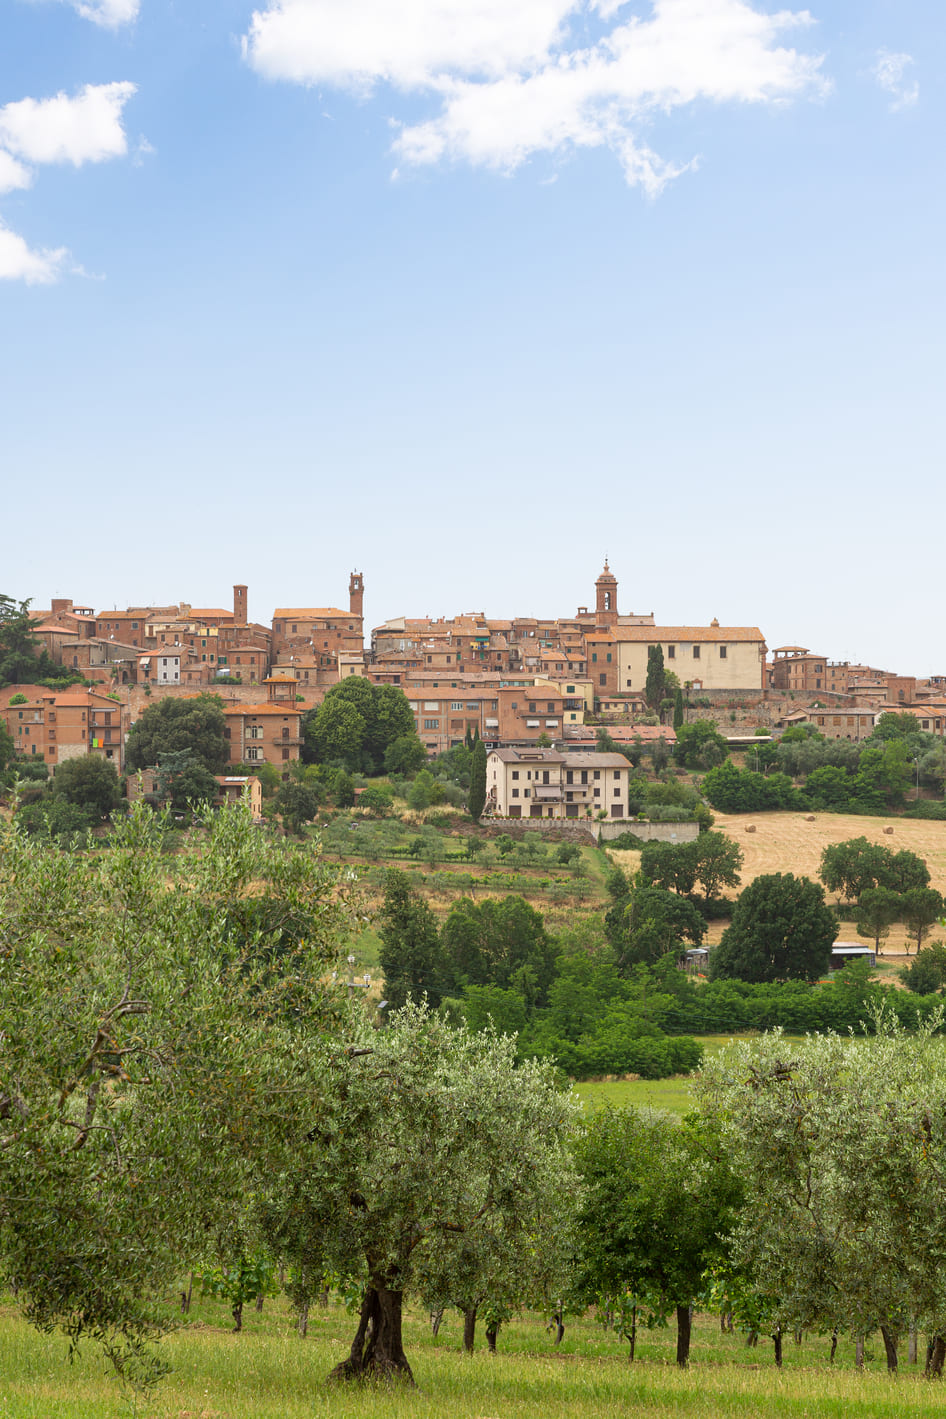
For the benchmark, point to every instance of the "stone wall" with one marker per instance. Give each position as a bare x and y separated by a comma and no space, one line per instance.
648,832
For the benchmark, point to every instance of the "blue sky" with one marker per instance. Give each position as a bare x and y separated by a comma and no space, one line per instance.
468,294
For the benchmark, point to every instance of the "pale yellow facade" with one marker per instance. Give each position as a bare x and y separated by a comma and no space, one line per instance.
543,783
714,658
579,696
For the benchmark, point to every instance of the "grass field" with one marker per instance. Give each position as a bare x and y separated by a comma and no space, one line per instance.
268,1372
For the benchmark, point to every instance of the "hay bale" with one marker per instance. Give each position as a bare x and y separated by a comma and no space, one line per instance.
810,818
889,832
751,828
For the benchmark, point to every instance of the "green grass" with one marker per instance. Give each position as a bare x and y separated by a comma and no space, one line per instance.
673,1094
268,1372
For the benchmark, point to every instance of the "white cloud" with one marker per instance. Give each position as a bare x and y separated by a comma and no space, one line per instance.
84,129
510,81
110,14
357,42
890,73
19,263
12,173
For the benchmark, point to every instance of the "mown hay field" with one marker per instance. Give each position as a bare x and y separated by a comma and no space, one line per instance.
788,842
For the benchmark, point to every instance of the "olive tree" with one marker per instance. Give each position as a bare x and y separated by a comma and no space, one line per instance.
139,1030
842,1146
434,1162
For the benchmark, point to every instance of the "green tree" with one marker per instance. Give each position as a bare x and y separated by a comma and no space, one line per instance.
843,1159
678,712
22,660
926,973
357,723
877,910
476,798
851,867
410,955
335,733
920,908
658,1200
656,922
170,726
498,942
147,1062
781,930
298,804
700,745
904,870
655,686
54,819
7,748
184,782
391,719
895,724
437,1164
717,861
405,755
670,865
90,783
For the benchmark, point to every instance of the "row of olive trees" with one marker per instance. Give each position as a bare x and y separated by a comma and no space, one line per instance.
182,1083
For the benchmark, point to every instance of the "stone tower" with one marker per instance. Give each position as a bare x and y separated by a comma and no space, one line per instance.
606,600
239,606
356,593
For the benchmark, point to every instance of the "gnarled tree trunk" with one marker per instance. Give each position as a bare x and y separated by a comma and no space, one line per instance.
777,1342
935,1357
469,1329
684,1318
890,1345
492,1330
377,1351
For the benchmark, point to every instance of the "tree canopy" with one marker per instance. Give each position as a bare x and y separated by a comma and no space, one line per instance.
22,660
172,725
436,1163
781,930
842,1149
658,1201
90,783
358,723
141,1038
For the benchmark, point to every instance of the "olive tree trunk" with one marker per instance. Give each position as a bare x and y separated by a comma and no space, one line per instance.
684,1321
377,1351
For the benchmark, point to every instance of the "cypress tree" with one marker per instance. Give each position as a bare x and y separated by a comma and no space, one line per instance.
656,682
678,708
476,798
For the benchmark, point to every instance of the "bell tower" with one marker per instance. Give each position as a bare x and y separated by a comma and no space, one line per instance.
356,594
606,598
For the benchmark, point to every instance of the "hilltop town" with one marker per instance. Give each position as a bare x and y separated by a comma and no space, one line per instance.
516,682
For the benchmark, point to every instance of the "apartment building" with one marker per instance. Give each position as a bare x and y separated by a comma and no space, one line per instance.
57,727
265,733
546,783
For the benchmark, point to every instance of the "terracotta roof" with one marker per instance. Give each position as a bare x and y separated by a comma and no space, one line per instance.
304,613
652,635
262,709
